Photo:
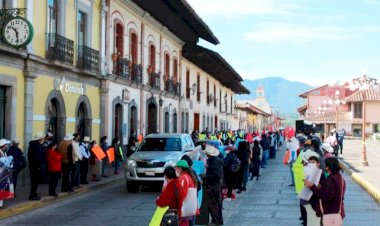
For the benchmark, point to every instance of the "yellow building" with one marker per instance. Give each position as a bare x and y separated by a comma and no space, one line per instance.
52,83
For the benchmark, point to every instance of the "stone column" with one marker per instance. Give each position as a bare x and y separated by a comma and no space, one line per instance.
29,75
103,107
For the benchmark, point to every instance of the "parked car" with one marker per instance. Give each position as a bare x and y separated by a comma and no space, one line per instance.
157,151
216,143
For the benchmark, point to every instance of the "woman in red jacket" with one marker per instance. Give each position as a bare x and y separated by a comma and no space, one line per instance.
170,194
54,160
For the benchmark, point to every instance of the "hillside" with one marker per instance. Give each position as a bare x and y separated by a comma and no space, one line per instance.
281,94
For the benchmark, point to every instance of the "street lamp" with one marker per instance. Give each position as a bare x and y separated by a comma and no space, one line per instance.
364,83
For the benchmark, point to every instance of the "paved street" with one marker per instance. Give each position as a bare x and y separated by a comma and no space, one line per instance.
268,201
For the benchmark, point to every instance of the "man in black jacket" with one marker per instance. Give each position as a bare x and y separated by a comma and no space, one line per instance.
36,163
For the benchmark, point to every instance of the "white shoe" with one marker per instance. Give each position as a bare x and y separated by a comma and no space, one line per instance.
228,199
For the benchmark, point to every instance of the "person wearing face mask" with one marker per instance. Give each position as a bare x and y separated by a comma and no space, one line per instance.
330,192
4,168
311,207
118,154
36,162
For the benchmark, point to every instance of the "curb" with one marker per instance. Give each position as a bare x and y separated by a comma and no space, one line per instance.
31,205
374,192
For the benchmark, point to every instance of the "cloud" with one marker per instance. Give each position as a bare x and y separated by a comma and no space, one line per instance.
239,7
280,32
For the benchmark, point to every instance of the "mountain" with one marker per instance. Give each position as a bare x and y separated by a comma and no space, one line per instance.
281,94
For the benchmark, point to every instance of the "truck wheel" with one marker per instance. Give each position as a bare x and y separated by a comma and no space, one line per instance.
132,187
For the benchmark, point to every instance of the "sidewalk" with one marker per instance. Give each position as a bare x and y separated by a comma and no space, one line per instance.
366,176
21,204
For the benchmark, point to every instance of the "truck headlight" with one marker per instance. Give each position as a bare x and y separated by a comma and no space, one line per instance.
131,163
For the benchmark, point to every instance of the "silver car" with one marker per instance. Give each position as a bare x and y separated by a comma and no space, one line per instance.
156,152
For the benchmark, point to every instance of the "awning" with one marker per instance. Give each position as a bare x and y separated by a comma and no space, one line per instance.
180,18
216,66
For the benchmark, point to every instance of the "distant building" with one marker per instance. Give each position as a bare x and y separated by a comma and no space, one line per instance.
260,102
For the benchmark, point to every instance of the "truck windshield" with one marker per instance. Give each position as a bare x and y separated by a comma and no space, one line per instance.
161,144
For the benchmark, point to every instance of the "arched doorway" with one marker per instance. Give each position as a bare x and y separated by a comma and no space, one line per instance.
152,118
55,113
118,121
133,118
175,121
83,117
166,122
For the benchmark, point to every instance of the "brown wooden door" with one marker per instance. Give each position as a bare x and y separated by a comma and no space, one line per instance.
196,121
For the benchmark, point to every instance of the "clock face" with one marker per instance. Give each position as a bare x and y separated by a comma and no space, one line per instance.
17,32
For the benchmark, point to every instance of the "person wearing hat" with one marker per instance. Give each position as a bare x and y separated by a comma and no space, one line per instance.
3,147
327,151
186,180
3,154
36,159
19,162
77,157
66,149
213,181
84,148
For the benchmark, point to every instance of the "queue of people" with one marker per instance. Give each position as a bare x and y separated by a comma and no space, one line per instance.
309,159
69,162
225,177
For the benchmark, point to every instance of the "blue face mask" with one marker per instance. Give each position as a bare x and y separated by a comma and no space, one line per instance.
326,174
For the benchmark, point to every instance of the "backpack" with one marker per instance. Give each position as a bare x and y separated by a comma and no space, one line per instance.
235,165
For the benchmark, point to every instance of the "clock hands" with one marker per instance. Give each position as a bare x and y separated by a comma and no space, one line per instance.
16,31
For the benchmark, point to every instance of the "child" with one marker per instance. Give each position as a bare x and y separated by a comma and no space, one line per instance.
54,160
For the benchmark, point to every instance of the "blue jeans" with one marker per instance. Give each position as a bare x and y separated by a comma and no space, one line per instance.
291,171
117,165
264,161
245,175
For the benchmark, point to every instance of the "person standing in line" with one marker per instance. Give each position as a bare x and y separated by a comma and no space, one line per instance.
256,158
265,146
333,141
54,160
327,151
5,183
95,163
66,149
119,156
213,184
229,174
84,148
331,191
19,162
104,146
36,162
77,157
341,135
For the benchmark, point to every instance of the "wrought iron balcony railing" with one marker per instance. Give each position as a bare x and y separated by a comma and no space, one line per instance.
172,86
59,48
154,80
136,73
122,68
88,58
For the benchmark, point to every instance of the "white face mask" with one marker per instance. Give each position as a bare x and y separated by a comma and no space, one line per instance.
313,164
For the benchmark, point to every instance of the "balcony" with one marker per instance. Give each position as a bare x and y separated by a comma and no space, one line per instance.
88,59
172,86
136,74
122,68
154,80
59,48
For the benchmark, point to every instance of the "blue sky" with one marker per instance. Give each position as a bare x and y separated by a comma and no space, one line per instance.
311,41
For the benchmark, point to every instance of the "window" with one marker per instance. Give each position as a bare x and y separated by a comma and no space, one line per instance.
231,103
204,123
376,128
175,69
198,88
167,122
81,28
119,39
52,17
167,64
152,57
358,110
161,144
175,122
133,47
214,95
182,122
187,122
208,92
2,110
188,84
6,4
220,100
225,102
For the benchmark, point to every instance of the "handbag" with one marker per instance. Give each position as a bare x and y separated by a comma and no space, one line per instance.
170,217
190,203
333,219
